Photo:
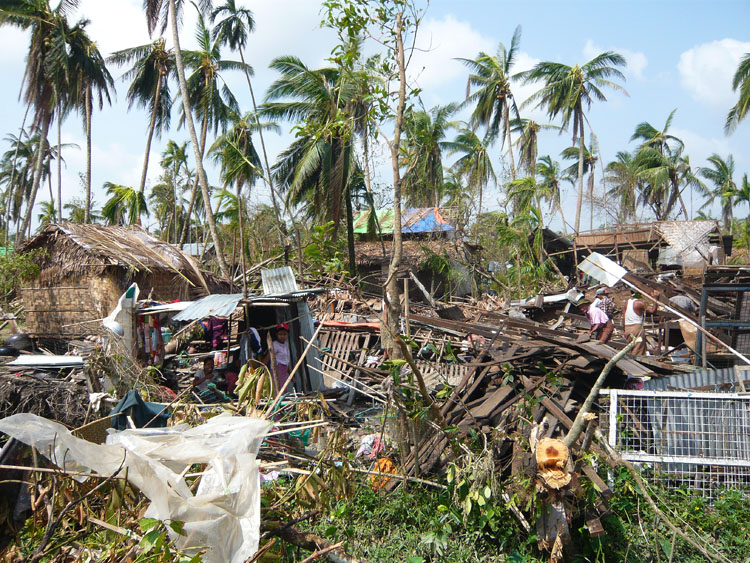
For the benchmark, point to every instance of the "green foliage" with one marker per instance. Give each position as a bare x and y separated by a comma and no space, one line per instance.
324,254
18,269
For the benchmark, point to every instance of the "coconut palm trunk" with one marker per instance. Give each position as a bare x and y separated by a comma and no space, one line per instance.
59,167
194,190
150,136
9,192
37,178
88,101
201,172
579,201
510,146
269,179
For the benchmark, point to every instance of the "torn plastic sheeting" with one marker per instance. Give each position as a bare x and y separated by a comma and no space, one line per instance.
223,515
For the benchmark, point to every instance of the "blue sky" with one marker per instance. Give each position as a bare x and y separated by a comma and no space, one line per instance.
681,54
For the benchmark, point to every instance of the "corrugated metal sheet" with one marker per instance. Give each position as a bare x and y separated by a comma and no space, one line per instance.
413,220
221,305
279,281
726,378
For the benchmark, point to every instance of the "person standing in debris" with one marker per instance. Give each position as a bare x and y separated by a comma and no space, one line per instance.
204,376
604,302
633,318
601,324
281,353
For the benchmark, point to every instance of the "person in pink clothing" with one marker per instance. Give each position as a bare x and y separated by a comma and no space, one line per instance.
601,324
281,354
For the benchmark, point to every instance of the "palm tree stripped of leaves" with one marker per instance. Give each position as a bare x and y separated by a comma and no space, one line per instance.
168,11
232,30
741,82
422,154
495,106
550,178
90,80
153,66
569,91
174,157
721,175
45,83
474,162
125,206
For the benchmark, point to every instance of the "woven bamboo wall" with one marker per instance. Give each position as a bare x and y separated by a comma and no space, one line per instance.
75,306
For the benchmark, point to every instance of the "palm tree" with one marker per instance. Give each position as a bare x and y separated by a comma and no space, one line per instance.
90,80
76,209
725,189
153,66
550,177
163,12
233,28
589,165
742,195
125,206
45,79
627,185
528,141
425,131
474,162
48,214
665,176
213,102
175,157
569,91
319,167
659,157
741,82
493,99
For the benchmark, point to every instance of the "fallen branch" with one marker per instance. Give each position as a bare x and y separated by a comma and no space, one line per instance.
311,542
580,421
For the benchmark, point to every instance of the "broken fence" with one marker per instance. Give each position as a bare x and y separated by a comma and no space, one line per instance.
700,441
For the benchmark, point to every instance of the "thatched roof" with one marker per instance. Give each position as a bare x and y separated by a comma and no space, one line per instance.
370,254
73,248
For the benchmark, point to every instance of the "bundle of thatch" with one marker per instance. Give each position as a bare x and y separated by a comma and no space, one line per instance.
56,399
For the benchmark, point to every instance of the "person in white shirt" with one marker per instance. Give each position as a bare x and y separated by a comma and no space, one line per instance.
282,354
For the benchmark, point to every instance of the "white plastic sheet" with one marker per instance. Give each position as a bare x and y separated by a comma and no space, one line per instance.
223,515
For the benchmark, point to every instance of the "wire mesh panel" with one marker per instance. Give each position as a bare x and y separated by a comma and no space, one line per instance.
697,440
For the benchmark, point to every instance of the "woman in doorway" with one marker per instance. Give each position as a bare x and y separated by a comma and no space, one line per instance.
281,354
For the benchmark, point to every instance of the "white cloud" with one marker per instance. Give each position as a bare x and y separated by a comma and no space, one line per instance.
637,61
706,70
439,43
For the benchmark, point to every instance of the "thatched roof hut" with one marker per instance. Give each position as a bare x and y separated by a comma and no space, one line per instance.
85,269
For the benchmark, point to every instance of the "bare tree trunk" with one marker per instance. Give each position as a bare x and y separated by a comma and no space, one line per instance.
87,217
193,192
151,127
392,289
579,201
59,166
38,165
591,197
194,138
269,179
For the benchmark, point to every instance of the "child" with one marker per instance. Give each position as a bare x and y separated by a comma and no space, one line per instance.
281,353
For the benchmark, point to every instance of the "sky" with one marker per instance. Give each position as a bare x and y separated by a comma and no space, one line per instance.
681,55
